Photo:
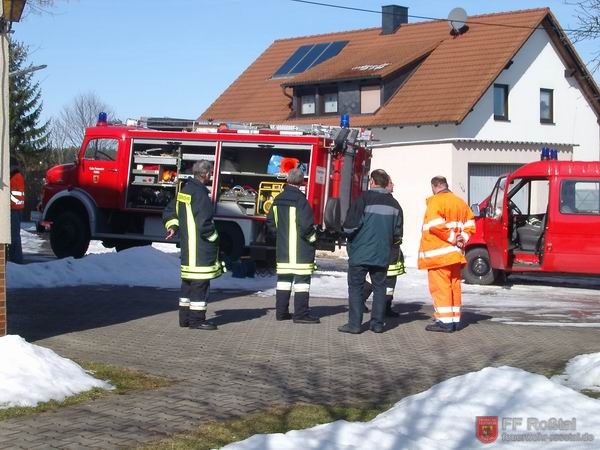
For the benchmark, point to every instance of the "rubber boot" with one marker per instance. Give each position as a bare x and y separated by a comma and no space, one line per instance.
198,321
184,316
282,305
389,312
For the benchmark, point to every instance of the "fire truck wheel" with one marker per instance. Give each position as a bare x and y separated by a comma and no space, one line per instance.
478,269
69,235
231,240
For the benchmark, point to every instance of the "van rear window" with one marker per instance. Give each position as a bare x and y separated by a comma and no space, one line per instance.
580,197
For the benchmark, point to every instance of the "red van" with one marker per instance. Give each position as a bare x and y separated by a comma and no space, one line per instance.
543,217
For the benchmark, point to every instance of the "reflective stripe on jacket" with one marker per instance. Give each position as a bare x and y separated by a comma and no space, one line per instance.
292,218
192,212
17,190
396,266
447,216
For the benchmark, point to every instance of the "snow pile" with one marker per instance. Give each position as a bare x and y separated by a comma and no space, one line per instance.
582,372
444,417
30,374
151,267
138,266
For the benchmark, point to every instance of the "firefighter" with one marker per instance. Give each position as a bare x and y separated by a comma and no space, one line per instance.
191,214
17,205
395,269
292,219
447,226
373,224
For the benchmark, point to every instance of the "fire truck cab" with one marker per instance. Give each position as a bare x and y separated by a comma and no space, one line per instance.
125,175
543,217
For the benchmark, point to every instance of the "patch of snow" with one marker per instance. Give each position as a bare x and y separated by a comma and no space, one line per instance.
444,417
582,372
30,374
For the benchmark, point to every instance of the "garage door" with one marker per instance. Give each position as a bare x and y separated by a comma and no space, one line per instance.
482,178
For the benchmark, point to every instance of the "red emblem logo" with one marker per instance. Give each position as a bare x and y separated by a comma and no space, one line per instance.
486,428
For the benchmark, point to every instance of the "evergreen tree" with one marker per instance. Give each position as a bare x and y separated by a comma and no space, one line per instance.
28,139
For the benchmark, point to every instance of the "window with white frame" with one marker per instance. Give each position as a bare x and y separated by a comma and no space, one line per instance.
308,104
546,106
500,102
330,103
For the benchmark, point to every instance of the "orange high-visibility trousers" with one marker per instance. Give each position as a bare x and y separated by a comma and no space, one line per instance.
444,286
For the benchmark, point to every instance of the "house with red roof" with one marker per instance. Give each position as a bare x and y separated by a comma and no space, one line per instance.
468,102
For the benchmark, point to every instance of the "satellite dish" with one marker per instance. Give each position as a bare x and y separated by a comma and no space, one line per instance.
457,20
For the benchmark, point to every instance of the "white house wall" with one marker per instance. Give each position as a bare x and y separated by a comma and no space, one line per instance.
411,168
466,153
537,65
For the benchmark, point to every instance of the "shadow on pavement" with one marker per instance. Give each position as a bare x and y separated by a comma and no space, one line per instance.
41,313
225,316
472,318
556,280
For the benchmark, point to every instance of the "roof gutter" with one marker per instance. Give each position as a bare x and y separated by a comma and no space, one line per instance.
467,140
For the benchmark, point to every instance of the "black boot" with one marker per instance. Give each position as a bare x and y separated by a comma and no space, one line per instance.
184,316
282,305
198,321
389,312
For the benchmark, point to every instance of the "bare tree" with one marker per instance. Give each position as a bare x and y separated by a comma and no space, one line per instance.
587,13
38,7
69,126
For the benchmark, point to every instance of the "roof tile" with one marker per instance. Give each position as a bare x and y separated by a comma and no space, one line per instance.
453,74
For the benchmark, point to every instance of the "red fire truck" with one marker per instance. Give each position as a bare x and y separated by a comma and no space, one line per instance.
125,175
543,217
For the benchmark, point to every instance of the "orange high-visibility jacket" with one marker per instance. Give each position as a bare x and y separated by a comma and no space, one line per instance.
447,217
17,191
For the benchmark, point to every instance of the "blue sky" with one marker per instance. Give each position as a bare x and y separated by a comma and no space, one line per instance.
173,58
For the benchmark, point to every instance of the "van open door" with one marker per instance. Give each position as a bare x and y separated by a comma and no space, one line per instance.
495,226
527,214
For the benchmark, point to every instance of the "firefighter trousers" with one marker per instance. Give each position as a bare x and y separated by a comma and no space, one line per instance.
301,284
444,286
193,300
15,251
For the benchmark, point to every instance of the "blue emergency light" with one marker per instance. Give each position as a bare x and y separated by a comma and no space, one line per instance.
102,119
345,121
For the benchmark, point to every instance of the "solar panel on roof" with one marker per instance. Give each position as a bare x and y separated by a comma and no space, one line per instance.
309,59
331,51
293,60
308,56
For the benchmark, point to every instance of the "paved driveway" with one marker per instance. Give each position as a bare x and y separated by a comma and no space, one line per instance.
251,362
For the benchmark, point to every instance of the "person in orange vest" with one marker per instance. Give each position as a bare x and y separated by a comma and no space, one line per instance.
17,205
447,226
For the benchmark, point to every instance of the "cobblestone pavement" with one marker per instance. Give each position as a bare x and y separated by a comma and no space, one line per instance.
251,362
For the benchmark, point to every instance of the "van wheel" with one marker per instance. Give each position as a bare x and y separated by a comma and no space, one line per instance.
70,235
478,269
231,240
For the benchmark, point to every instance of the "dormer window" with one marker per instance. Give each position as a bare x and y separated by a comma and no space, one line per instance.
330,103
308,104
370,99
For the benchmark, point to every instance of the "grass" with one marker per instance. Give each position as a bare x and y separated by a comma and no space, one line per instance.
276,420
592,394
124,380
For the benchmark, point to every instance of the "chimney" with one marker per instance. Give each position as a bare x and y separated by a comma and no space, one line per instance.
392,17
